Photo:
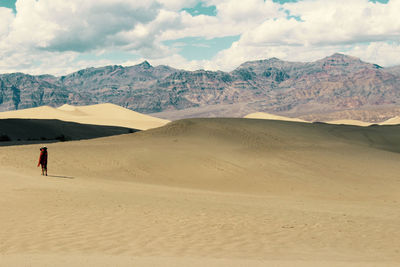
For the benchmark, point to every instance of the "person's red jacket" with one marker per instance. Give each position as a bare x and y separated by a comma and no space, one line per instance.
43,158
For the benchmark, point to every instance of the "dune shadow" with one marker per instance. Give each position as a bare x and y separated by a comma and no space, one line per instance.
60,176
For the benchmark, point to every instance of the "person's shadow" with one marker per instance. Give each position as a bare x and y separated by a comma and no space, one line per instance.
59,176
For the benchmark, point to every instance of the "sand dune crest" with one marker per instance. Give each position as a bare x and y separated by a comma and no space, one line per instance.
350,122
100,114
392,121
267,116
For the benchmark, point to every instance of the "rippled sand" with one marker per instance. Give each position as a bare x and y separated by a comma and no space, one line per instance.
215,192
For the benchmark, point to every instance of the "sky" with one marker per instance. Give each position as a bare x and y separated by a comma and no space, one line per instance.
58,37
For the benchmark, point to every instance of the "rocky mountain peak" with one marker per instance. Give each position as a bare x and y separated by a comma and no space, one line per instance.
273,59
340,60
256,64
338,82
145,65
338,57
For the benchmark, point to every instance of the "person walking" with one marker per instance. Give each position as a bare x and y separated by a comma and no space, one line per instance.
43,160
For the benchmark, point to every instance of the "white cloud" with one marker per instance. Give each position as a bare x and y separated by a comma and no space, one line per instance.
234,17
7,17
381,53
47,36
61,30
145,38
177,5
74,25
343,21
326,27
246,12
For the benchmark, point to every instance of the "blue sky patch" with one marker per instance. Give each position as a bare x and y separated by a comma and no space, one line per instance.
199,48
290,16
8,4
201,9
380,1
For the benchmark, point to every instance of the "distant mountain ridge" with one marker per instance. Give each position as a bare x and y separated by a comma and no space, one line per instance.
330,85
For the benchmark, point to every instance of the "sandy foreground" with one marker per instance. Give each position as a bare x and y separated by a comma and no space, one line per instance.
207,192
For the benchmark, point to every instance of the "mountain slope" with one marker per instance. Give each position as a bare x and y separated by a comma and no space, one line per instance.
335,83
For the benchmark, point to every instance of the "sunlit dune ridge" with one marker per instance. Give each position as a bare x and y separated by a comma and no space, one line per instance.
394,120
350,122
100,114
267,116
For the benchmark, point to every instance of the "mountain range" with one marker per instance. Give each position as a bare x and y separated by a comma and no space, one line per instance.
338,86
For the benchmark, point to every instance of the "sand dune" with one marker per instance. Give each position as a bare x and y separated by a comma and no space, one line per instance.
215,192
392,121
101,114
267,116
350,122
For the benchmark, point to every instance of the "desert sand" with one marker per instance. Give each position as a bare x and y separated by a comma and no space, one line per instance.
268,116
100,114
350,122
392,121
207,192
